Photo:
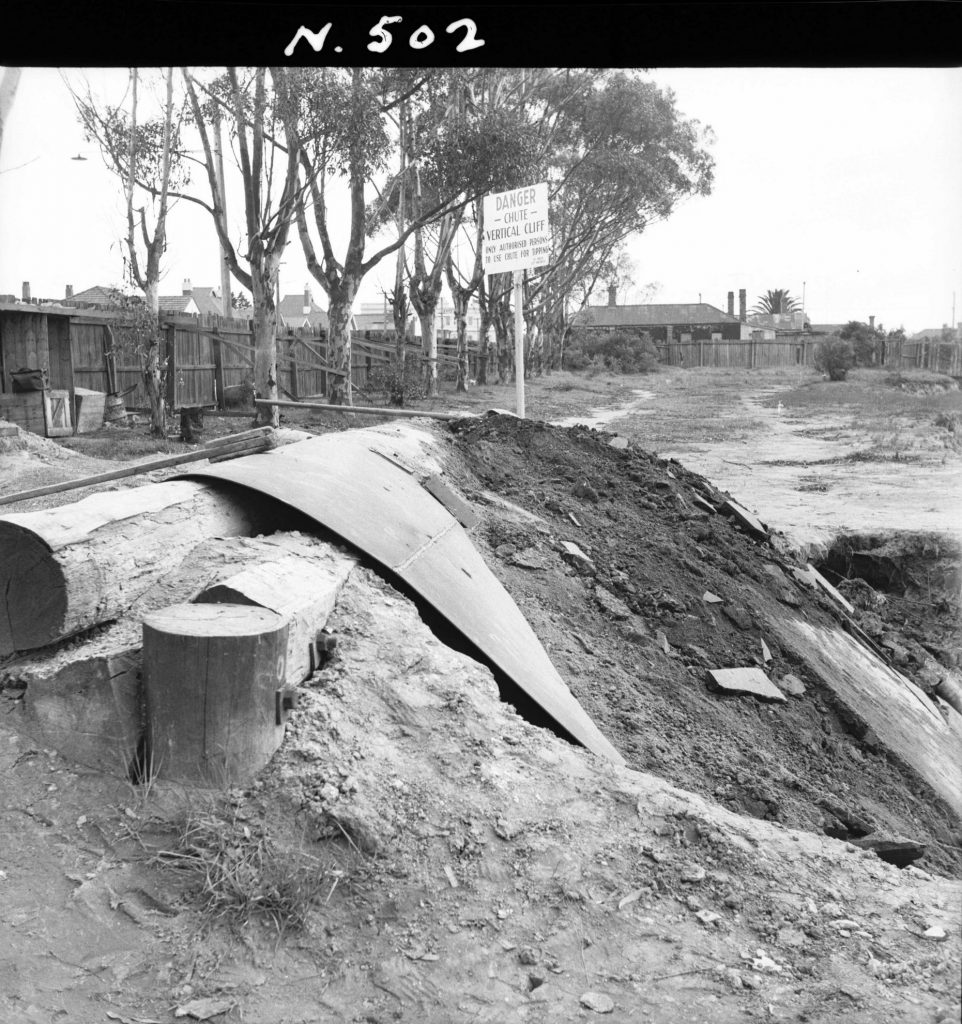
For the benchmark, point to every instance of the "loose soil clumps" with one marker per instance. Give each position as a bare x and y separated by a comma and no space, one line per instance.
633,629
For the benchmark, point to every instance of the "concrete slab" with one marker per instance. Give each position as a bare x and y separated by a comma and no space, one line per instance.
745,680
749,522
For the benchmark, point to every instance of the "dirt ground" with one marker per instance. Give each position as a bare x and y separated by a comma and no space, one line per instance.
468,866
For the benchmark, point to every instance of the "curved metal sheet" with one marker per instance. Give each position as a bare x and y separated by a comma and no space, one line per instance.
376,506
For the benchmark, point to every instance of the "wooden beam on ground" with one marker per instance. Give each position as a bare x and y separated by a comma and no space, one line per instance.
228,446
364,410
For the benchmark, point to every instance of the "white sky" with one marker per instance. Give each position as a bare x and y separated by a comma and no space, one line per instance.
843,184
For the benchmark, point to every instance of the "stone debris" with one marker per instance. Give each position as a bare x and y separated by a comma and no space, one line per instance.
708,916
766,653
530,558
738,616
750,523
692,873
611,605
573,554
791,685
709,598
937,933
895,850
204,1009
598,1002
618,442
745,680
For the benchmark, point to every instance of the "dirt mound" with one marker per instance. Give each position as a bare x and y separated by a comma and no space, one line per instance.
670,590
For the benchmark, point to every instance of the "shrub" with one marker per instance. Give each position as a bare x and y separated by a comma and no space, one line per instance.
835,357
616,352
397,387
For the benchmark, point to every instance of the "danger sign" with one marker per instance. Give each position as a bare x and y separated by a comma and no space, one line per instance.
517,235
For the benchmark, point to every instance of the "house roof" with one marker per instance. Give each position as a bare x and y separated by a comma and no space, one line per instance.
207,300
292,312
932,332
99,294
173,303
653,315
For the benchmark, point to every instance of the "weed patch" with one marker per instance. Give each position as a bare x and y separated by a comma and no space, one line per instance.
241,873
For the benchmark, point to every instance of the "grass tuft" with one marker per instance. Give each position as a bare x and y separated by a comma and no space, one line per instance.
242,874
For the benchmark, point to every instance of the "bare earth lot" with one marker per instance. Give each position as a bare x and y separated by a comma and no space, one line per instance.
450,862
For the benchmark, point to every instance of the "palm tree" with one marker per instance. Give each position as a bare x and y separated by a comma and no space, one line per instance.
776,300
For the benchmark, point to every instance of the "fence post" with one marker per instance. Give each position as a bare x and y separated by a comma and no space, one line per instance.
218,368
292,358
171,366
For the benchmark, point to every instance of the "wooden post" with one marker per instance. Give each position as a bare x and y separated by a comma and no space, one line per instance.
292,356
213,684
218,355
518,344
171,367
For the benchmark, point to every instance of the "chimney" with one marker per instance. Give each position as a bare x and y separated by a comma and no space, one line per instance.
742,303
871,323
307,299
612,295
187,289
69,292
26,291
731,303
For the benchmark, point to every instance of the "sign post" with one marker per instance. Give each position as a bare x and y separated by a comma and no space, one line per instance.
517,237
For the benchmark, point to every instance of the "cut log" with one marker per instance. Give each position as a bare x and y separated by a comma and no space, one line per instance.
77,701
68,568
213,683
302,590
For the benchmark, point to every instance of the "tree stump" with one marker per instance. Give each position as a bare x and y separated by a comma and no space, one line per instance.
214,688
191,423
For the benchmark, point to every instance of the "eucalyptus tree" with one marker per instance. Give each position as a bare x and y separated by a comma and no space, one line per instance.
144,153
618,155
346,125
248,100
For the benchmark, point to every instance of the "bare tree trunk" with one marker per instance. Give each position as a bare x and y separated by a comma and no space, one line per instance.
263,283
429,345
461,322
339,333
8,89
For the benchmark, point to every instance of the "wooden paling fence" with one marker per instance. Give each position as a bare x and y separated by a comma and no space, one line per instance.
210,359
799,350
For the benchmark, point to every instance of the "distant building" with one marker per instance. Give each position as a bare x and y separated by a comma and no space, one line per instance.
194,301
673,322
98,295
378,316
943,333
301,312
